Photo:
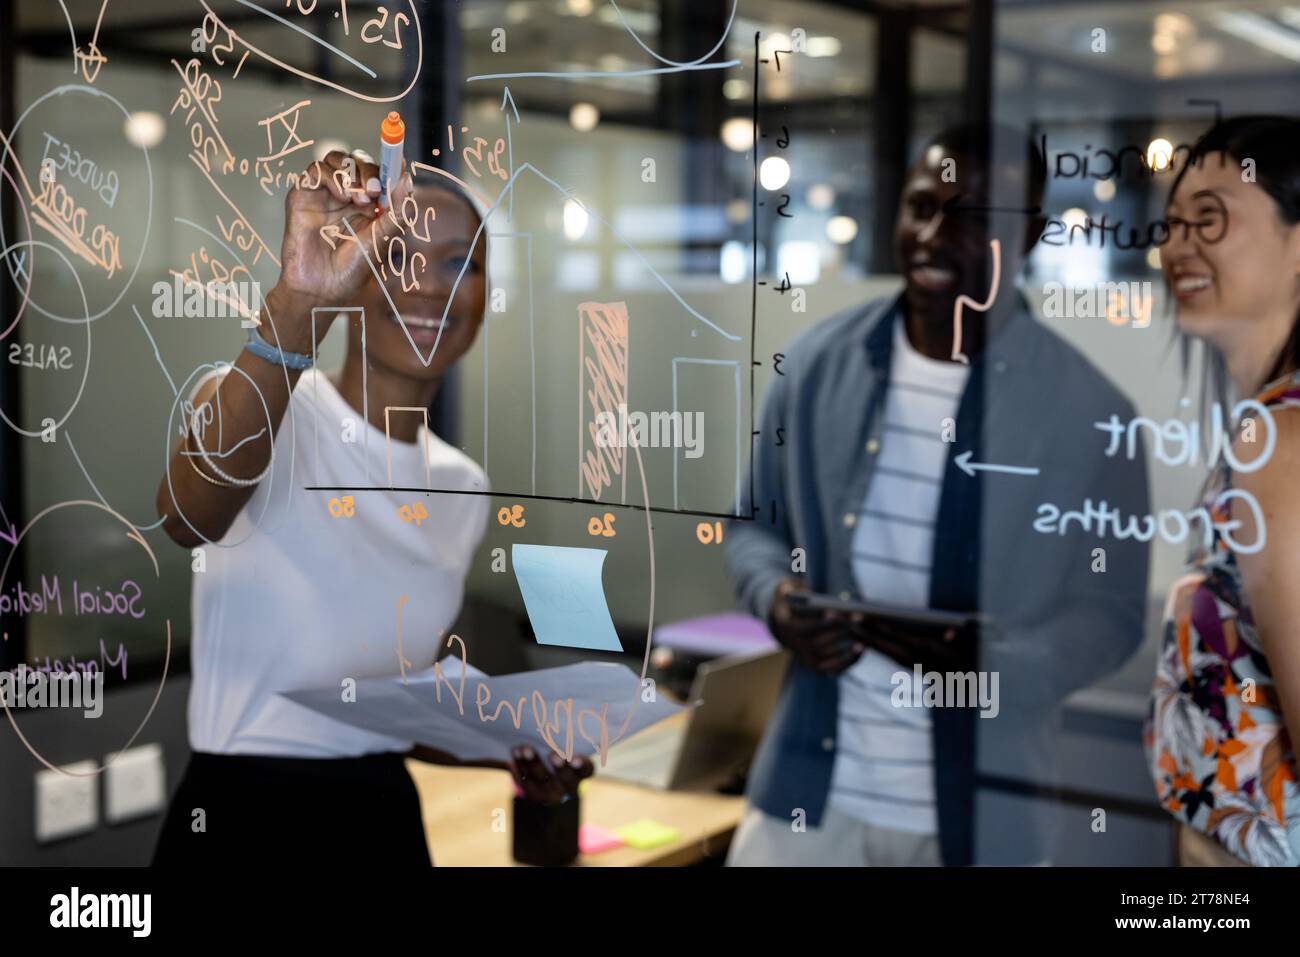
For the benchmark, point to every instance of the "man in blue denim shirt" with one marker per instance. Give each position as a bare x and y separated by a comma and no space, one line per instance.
873,474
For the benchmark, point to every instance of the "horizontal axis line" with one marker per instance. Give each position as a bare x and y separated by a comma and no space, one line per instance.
542,498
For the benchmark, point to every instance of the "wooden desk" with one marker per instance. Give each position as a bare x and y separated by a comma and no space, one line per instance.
457,804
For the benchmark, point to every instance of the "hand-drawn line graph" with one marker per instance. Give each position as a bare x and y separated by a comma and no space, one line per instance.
672,66
506,196
478,235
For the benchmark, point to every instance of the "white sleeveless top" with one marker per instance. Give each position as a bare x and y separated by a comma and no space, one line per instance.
305,599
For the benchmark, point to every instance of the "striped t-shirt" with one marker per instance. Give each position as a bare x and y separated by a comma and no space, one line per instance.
884,770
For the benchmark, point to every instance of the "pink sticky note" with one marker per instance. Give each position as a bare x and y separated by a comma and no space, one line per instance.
592,839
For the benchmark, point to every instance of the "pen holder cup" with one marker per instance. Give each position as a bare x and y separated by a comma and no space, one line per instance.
546,835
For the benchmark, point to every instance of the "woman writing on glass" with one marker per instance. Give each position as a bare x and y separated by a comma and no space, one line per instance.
301,589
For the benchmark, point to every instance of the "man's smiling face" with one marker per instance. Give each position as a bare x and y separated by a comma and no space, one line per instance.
942,233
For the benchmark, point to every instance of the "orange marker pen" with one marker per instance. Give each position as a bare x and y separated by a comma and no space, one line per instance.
392,134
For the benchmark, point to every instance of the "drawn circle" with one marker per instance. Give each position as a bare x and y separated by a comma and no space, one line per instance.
293,418
133,533
650,618
167,453
22,305
85,372
148,166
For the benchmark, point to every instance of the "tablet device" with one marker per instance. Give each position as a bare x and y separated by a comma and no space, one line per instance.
923,618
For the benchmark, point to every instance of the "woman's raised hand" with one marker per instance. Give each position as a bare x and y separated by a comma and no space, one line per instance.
320,261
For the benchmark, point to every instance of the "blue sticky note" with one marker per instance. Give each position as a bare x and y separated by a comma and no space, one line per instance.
565,596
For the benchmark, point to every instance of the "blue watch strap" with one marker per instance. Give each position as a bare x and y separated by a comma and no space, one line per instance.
264,350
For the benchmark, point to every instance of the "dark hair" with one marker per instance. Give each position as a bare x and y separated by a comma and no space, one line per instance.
998,146
1272,145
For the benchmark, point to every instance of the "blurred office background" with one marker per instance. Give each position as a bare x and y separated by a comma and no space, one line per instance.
872,83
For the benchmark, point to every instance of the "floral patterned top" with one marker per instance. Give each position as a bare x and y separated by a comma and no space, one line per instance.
1215,739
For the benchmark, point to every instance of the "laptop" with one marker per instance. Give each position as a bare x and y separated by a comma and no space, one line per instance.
733,699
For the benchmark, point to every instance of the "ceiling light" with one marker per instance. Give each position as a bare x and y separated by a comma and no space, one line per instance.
738,134
145,129
1164,43
1174,24
1074,216
823,46
777,41
841,229
735,89
576,220
774,173
583,117
1160,153
733,264
820,196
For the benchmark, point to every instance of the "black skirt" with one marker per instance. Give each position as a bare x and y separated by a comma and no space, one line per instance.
293,811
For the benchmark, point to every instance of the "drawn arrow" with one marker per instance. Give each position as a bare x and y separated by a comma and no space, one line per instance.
510,153
964,463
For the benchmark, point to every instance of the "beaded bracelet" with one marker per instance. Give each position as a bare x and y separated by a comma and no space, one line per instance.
233,482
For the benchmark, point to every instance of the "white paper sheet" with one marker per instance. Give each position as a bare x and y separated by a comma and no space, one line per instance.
410,708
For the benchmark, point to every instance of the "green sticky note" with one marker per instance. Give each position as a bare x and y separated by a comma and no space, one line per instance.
645,834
